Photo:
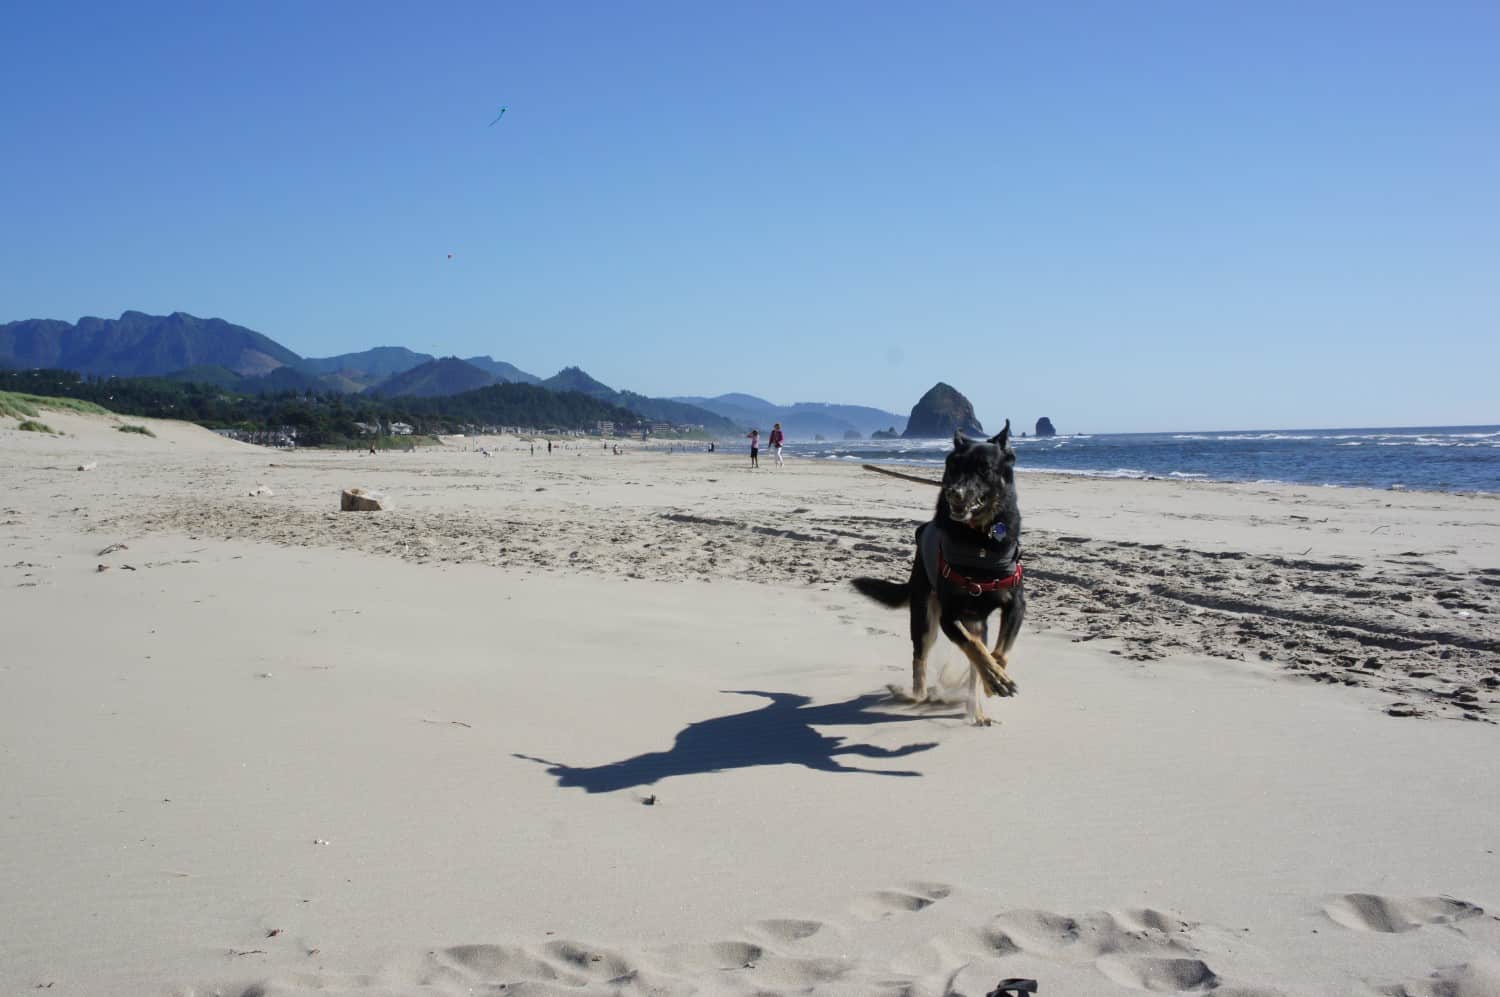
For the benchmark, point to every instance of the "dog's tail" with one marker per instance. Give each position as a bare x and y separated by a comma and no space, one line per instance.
884,592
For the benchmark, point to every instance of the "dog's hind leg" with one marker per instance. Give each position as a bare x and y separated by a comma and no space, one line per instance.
924,631
922,641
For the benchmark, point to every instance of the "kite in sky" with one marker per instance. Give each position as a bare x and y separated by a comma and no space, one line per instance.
498,116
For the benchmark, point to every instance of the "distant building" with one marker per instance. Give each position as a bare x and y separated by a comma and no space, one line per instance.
368,428
605,427
401,428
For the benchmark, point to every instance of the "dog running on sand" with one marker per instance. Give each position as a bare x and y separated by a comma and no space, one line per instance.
968,564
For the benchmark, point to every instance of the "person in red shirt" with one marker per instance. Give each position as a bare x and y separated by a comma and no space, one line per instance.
777,438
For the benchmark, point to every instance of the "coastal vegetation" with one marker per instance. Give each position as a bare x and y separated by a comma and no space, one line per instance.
23,405
319,418
32,426
130,428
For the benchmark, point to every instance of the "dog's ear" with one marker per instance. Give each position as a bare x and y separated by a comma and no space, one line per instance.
959,439
1002,439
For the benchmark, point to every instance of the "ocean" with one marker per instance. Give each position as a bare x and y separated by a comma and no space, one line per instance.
1438,458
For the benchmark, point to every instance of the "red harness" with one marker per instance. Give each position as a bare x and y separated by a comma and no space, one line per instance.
977,588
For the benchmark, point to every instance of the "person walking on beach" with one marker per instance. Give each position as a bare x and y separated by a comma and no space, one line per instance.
777,438
754,435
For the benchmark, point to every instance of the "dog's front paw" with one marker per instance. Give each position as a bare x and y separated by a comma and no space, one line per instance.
1003,685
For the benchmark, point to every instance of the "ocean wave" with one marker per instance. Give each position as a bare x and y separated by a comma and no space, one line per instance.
1080,472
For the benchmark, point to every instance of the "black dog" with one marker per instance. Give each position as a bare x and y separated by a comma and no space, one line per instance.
968,565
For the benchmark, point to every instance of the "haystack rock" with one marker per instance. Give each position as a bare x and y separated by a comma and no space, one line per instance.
941,412
1044,427
359,500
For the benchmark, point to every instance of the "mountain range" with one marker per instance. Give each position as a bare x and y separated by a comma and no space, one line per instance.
800,420
232,357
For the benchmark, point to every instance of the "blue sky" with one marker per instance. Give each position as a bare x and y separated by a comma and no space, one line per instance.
1124,216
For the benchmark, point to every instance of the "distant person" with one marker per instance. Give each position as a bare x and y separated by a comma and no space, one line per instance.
549,446
776,439
754,448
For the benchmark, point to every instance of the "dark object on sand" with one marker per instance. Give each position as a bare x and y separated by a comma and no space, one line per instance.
1013,988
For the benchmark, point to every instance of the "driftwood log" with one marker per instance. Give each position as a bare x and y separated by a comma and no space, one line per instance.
904,477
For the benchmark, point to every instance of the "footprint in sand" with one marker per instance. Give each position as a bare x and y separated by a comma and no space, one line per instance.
760,966
1392,915
1480,978
499,963
1088,936
589,961
788,929
1142,949
1159,975
908,898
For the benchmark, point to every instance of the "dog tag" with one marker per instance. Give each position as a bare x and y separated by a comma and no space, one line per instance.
998,531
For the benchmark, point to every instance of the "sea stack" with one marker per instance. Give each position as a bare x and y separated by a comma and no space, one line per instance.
941,412
1044,427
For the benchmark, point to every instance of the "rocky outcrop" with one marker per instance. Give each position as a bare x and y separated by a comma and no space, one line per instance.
941,412
885,434
1044,427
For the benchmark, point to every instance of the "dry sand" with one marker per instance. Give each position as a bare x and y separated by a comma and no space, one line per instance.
598,724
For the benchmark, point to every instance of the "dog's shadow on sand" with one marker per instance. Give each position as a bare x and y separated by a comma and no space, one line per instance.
779,733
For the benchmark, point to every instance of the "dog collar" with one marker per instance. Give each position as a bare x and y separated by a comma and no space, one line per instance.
970,585
996,532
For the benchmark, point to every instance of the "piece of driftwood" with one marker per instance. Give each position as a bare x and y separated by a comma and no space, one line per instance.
904,477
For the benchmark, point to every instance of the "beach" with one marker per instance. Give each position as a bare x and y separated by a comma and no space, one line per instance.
587,723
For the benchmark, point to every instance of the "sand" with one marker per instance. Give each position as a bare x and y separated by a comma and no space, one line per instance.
598,724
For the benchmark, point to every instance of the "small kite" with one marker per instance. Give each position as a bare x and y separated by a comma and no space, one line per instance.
450,256
498,116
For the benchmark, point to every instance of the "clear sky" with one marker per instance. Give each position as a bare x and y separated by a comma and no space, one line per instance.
1124,216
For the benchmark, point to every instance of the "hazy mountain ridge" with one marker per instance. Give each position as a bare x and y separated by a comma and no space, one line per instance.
504,371
378,362
435,379
655,409
801,420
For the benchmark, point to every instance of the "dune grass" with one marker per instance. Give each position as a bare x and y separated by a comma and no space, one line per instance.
31,426
136,429
16,405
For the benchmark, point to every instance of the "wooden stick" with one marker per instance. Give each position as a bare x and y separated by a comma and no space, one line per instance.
904,477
